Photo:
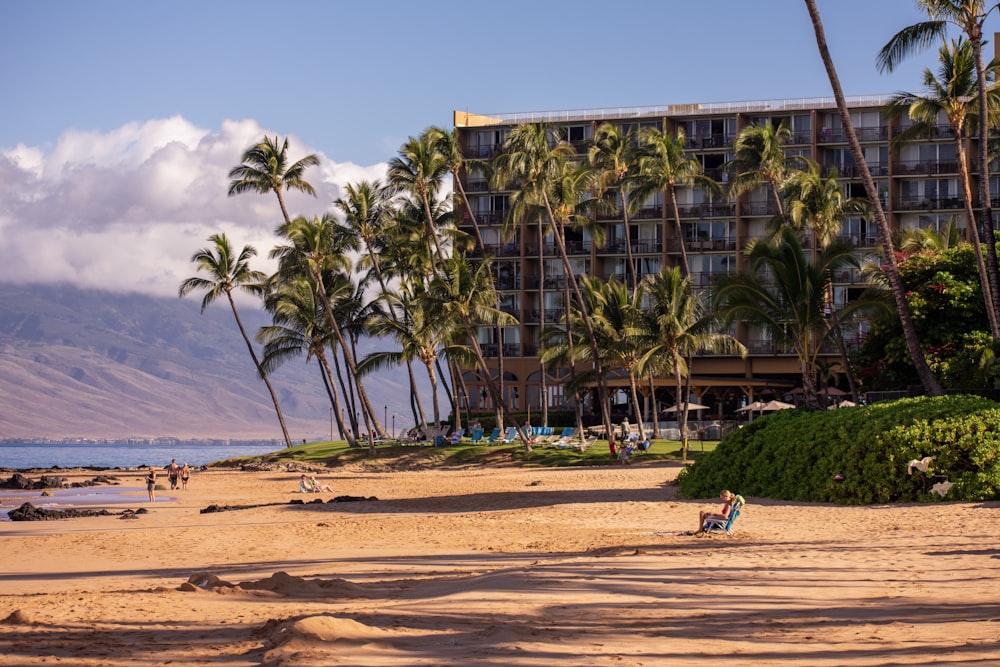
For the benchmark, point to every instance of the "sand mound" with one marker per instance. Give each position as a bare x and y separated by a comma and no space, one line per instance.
285,584
315,640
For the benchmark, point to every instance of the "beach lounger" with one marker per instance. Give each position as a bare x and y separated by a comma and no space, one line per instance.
477,434
456,436
510,435
565,438
714,525
494,436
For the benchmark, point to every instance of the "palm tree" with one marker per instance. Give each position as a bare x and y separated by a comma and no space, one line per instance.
299,326
786,296
680,326
615,155
617,322
419,169
536,161
927,378
663,167
316,247
226,273
264,168
463,298
952,92
759,157
968,16
417,332
817,204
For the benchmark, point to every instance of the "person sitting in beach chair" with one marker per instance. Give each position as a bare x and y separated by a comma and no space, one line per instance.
710,521
306,485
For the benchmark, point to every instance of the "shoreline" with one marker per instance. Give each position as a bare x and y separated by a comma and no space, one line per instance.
505,566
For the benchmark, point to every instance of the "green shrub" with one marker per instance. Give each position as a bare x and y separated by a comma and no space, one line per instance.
859,455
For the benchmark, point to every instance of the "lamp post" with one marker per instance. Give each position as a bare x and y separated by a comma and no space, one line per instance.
385,415
393,425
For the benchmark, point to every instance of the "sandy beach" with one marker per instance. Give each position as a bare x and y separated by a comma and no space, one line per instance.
502,566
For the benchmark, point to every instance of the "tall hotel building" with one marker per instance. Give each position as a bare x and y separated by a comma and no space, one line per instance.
918,184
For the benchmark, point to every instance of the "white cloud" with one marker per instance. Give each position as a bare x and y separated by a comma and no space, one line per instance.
125,210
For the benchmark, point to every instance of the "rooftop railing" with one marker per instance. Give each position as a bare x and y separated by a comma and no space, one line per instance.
699,109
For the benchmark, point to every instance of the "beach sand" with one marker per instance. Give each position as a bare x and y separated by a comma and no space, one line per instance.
503,566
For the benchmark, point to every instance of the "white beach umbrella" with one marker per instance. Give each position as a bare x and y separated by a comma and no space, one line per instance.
772,406
690,407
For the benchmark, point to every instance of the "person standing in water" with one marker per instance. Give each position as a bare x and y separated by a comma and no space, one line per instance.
151,484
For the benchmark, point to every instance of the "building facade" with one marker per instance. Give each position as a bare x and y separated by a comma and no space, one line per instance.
918,184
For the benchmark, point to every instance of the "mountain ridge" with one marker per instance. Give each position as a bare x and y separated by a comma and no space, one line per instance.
86,363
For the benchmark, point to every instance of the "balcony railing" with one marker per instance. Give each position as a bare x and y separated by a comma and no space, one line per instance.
929,203
925,167
828,135
707,210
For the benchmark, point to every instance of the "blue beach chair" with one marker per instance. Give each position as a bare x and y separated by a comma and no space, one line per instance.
714,525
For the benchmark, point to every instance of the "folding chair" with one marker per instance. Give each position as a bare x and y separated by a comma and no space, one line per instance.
725,525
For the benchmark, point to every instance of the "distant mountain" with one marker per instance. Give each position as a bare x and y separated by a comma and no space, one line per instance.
89,363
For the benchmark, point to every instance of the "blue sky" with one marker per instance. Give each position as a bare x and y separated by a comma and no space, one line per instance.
355,79
121,119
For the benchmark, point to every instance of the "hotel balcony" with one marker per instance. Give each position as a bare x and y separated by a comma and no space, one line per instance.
924,167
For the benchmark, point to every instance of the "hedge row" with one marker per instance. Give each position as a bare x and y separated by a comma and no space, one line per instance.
860,455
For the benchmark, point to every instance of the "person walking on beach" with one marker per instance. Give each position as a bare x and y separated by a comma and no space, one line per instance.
173,472
151,484
185,475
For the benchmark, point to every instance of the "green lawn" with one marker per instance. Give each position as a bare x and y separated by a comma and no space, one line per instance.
337,453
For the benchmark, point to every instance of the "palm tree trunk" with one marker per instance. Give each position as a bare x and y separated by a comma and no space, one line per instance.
560,239
281,203
973,234
680,233
260,371
349,359
331,389
633,385
656,415
986,201
628,240
541,311
927,378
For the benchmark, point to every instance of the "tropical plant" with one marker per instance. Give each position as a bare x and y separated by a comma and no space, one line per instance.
537,162
299,325
419,169
664,166
927,378
615,156
264,168
952,92
817,205
759,158
786,296
680,325
226,272
315,248
968,16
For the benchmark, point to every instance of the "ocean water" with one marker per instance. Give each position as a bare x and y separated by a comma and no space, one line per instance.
19,455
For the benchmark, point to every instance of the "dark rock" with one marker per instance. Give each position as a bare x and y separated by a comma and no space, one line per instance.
28,512
50,482
16,481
